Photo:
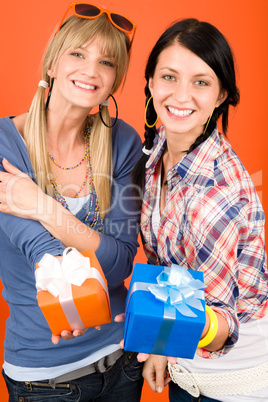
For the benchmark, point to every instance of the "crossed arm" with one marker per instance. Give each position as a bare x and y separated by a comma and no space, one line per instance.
20,196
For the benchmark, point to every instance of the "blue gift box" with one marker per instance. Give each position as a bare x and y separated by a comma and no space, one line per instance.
165,311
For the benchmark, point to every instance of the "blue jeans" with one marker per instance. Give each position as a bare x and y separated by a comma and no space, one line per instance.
121,383
176,394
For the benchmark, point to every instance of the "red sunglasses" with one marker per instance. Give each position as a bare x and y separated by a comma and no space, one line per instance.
89,11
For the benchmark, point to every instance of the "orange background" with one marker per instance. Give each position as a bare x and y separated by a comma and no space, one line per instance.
25,27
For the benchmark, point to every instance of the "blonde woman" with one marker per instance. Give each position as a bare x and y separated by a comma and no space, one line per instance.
82,165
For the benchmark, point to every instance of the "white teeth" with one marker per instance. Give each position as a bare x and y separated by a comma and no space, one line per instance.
180,113
79,84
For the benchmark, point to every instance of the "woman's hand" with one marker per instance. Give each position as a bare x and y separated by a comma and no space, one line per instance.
155,372
19,195
68,335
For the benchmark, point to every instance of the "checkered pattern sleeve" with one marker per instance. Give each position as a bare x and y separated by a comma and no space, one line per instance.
223,238
213,222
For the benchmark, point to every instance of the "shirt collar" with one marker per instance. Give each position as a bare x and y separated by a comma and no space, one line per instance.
195,168
158,149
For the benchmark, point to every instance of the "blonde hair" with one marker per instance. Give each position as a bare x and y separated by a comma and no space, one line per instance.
73,34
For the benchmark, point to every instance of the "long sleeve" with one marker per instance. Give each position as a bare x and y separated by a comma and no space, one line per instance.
29,236
213,222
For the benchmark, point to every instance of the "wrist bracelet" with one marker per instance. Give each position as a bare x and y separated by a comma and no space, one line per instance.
212,331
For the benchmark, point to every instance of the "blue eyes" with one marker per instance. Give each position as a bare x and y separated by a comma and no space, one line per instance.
103,62
168,77
200,83
76,54
107,63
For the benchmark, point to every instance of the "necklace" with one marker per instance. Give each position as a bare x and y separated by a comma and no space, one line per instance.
72,167
59,197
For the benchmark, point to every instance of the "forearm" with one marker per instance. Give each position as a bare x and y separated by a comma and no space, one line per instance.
115,248
20,196
115,252
221,336
63,225
155,372
219,267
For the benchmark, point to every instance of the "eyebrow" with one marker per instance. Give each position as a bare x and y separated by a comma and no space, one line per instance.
170,69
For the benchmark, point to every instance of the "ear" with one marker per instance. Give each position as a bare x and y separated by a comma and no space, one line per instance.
150,85
221,98
51,73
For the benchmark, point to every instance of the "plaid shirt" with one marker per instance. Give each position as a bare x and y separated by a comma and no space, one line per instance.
213,222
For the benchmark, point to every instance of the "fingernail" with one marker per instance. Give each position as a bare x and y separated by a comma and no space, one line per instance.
159,390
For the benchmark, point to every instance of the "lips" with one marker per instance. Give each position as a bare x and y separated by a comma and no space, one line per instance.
84,86
179,112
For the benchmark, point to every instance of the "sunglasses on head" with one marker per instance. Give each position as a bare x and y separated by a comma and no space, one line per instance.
89,11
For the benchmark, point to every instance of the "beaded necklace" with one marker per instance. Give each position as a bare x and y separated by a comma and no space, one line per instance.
89,176
67,168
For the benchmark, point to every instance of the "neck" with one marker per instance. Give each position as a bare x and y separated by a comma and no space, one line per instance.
178,145
65,131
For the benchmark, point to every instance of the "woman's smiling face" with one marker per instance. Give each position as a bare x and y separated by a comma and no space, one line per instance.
84,77
185,91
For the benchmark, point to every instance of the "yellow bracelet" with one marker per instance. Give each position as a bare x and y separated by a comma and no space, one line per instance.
212,331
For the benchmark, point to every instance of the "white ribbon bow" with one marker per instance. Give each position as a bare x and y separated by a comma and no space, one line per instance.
58,277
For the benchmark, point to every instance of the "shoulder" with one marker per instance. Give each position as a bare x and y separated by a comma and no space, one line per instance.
13,147
19,123
229,170
229,195
13,126
5,124
124,134
127,146
8,131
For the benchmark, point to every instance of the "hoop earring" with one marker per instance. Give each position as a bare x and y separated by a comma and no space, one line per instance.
116,108
49,93
145,115
204,132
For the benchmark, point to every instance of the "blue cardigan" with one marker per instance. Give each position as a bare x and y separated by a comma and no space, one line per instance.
23,243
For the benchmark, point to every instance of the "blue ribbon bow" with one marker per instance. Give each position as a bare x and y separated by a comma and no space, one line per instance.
178,289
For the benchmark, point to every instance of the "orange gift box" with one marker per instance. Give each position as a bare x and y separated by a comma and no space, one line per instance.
88,306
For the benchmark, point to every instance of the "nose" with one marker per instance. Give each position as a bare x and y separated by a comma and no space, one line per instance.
90,69
182,92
